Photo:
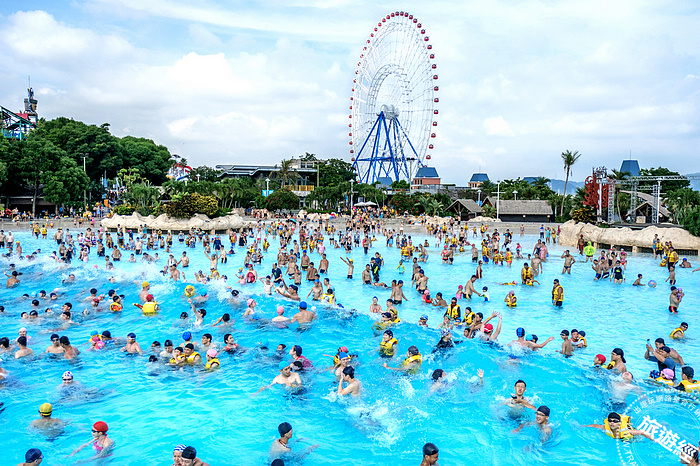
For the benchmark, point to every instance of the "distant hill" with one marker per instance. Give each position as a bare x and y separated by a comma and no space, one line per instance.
695,184
558,186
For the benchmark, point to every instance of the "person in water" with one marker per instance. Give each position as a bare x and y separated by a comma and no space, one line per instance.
100,442
431,454
541,423
619,427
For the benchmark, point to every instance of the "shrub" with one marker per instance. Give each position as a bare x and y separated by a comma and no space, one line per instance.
190,204
124,209
282,199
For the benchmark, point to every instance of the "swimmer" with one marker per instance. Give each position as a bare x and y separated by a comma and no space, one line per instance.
23,350
280,320
431,454
617,361
518,397
46,424
411,364
598,361
567,349
387,347
304,315
212,361
638,281
354,386
569,260
296,355
33,457
100,442
525,343
423,321
286,378
679,333
620,427
131,347
541,422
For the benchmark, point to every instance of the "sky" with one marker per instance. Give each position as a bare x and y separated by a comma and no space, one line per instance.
224,82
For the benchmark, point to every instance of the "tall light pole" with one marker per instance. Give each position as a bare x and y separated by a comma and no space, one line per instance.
498,199
351,193
478,192
267,190
515,194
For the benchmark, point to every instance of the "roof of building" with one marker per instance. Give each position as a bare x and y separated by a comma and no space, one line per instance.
630,166
479,177
521,207
427,172
648,199
469,205
252,170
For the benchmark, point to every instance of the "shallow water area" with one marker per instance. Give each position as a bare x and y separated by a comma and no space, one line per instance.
151,407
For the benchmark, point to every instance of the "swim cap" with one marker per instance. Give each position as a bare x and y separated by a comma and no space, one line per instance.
488,328
386,314
212,353
149,297
186,336
250,301
145,285
614,416
445,331
180,447
131,335
297,349
32,455
203,292
303,305
520,332
544,410
283,365
189,453
46,408
424,317
284,428
279,461
107,334
343,349
430,449
668,374
600,358
67,375
93,333
529,338
343,355
280,310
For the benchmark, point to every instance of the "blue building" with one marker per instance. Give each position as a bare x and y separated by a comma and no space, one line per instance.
478,179
630,166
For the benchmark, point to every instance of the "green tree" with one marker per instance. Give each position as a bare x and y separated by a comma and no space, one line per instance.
569,158
152,161
287,172
400,184
282,198
204,173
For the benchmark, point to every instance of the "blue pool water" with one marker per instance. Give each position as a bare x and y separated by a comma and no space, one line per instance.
149,410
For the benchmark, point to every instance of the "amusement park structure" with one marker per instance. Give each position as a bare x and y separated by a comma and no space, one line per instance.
392,115
18,125
600,192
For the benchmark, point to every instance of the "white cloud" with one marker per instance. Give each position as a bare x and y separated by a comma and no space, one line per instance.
497,126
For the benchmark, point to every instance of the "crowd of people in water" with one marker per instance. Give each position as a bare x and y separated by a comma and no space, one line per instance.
301,258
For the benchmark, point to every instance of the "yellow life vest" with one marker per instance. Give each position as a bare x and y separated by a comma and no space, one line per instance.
469,318
189,291
115,307
663,263
691,385
387,347
176,361
328,298
149,308
190,359
659,246
675,331
509,256
43,231
558,293
511,302
610,365
583,339
453,311
625,427
413,359
527,273
664,381
210,362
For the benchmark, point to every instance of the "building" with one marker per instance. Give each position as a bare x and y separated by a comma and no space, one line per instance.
465,208
426,179
630,166
302,186
522,211
478,179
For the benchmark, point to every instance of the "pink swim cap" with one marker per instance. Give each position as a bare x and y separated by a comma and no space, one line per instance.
250,301
280,310
212,353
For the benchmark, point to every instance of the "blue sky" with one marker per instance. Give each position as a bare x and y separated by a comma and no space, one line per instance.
257,82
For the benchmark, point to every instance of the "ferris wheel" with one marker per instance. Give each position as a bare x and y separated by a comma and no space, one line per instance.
392,118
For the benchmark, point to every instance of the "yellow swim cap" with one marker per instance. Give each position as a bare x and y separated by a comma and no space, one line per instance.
46,408
145,285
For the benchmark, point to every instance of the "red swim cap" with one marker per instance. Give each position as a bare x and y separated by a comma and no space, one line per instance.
601,358
149,297
100,426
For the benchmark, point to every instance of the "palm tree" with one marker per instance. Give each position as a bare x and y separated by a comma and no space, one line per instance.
569,159
286,172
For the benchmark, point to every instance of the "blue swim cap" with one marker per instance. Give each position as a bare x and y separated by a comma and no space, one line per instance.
303,305
132,335
342,355
529,338
520,332
284,365
203,292
186,336
424,316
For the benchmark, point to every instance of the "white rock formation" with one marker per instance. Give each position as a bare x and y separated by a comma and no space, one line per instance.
626,237
165,222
